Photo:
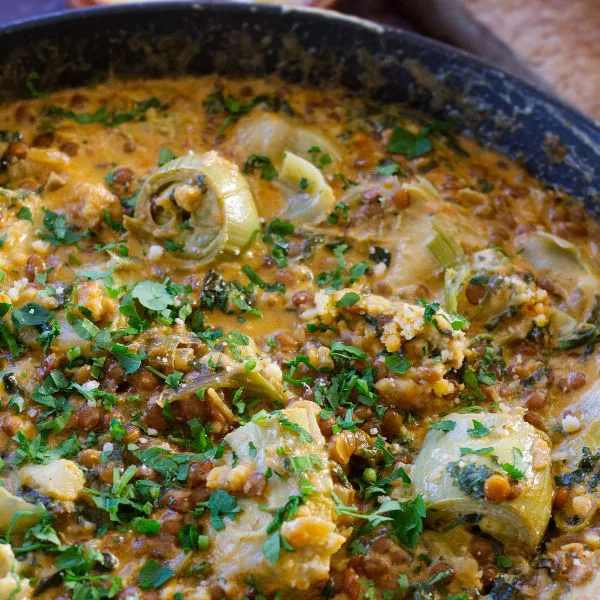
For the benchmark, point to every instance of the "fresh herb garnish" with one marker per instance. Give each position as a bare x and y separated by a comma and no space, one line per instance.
255,161
137,112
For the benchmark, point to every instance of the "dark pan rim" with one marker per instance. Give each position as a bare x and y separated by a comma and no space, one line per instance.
572,115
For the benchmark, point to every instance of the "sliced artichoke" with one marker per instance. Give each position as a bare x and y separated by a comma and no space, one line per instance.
277,443
272,135
202,203
452,467
309,197
587,410
576,459
16,514
546,251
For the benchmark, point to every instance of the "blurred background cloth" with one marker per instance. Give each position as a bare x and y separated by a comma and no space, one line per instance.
552,44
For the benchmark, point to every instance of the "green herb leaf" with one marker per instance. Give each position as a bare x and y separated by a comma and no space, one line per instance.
255,161
446,425
287,424
478,451
136,112
255,278
152,295
348,299
272,547
31,314
153,575
165,155
57,231
504,562
129,360
31,83
388,167
25,214
189,536
404,142
143,525
221,504
518,468
478,430
340,350
397,364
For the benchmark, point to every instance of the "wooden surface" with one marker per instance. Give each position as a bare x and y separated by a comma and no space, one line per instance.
560,39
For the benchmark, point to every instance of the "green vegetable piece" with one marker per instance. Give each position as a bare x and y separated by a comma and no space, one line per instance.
397,364
221,504
152,575
404,142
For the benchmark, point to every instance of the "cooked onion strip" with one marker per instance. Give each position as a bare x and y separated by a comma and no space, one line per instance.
252,382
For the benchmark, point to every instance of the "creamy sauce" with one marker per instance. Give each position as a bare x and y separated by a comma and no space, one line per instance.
432,278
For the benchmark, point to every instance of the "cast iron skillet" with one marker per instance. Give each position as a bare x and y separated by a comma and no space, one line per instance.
555,142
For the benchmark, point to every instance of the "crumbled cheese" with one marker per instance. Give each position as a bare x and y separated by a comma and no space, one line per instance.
155,252
570,424
88,386
12,586
40,246
379,269
15,291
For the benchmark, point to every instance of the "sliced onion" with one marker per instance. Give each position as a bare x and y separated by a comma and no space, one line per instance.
253,383
309,197
201,202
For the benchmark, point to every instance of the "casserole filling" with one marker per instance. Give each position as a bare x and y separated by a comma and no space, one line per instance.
262,341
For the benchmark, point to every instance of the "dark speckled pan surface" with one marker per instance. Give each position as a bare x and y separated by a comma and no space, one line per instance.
555,142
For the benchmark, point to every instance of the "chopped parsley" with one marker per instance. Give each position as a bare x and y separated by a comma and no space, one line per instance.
397,363
446,425
221,504
165,155
470,479
152,575
136,112
255,161
348,299
57,231
478,429
410,145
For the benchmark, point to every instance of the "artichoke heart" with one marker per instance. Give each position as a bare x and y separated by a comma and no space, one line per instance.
452,466
550,252
16,514
587,411
309,197
201,203
310,533
273,135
